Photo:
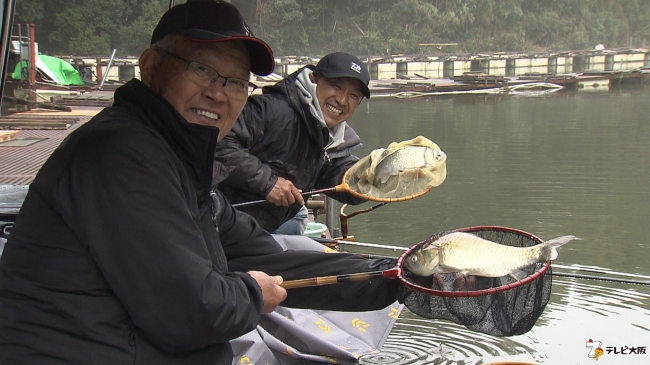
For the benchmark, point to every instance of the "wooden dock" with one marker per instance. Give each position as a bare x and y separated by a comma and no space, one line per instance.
476,81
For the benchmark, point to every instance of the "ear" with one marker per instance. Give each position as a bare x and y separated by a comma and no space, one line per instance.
148,63
312,78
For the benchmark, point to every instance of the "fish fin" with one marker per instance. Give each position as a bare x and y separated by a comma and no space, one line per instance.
449,269
549,248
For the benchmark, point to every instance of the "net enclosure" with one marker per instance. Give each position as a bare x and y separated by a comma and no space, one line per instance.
498,306
402,171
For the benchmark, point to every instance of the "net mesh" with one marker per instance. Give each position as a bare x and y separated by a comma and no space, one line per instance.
401,171
504,313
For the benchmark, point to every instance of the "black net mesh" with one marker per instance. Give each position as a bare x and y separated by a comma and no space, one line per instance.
510,312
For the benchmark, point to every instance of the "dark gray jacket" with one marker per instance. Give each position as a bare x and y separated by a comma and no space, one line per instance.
276,135
120,255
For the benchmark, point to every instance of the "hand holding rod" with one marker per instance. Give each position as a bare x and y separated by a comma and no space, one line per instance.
308,193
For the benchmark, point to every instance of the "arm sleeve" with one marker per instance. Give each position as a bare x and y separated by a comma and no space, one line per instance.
248,247
142,232
351,296
250,174
333,176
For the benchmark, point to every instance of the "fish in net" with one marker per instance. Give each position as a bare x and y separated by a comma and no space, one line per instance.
501,306
498,306
402,171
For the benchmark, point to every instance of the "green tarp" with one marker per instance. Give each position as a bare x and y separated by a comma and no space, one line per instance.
54,68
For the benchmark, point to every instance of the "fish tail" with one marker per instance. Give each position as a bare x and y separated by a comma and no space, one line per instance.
549,248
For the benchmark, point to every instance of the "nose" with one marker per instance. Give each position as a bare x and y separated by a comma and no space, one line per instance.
342,97
216,90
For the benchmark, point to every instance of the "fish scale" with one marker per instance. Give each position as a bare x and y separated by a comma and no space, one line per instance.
472,255
409,157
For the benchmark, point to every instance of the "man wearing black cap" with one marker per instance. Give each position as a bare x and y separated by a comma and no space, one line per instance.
122,253
294,137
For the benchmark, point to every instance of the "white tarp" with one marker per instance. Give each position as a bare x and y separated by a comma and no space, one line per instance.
297,336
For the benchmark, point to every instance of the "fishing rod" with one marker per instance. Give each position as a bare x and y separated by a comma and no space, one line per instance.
336,189
344,187
602,278
330,242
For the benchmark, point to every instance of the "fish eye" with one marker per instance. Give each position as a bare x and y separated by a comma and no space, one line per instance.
414,259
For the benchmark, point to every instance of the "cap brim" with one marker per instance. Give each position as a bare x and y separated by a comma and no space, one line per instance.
260,54
334,75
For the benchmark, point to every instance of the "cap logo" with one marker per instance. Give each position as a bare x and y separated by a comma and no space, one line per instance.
356,68
247,30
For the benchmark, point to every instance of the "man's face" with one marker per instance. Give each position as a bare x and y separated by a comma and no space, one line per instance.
338,97
200,104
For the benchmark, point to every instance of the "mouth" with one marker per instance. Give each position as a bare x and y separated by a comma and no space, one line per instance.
206,114
333,110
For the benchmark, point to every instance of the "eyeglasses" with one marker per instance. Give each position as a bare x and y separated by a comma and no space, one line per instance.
206,76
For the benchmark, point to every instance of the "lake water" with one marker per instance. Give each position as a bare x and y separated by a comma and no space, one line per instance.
562,164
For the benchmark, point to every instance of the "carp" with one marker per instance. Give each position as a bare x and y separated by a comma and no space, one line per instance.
472,255
411,157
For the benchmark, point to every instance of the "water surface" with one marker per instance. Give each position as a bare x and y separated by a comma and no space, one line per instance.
568,163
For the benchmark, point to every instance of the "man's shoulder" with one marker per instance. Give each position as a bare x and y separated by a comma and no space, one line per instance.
114,127
267,106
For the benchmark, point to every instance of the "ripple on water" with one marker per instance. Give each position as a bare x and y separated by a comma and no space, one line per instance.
415,340
614,312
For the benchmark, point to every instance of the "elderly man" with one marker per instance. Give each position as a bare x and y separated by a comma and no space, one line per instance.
123,253
295,137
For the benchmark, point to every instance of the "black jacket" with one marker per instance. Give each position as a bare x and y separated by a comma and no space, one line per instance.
120,255
276,135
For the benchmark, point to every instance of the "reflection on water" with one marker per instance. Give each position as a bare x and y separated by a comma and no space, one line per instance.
567,163
617,315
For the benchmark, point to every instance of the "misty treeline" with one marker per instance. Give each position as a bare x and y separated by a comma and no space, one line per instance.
361,27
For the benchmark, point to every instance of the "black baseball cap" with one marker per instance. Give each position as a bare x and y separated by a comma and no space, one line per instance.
341,64
215,21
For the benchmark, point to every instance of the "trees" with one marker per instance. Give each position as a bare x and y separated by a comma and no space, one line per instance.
363,27
91,27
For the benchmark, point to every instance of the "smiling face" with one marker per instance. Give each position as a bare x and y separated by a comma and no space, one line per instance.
338,97
210,106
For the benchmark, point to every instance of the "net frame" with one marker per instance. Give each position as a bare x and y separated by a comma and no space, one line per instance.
495,309
359,180
538,273
500,310
344,187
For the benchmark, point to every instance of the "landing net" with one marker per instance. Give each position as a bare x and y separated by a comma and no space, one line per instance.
502,306
401,171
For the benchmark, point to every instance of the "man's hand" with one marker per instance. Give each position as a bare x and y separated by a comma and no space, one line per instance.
285,193
272,292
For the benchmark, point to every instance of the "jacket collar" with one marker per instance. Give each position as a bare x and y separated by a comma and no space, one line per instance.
193,144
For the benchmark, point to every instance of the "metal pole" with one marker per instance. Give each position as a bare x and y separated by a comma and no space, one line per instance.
33,57
7,18
332,217
108,67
